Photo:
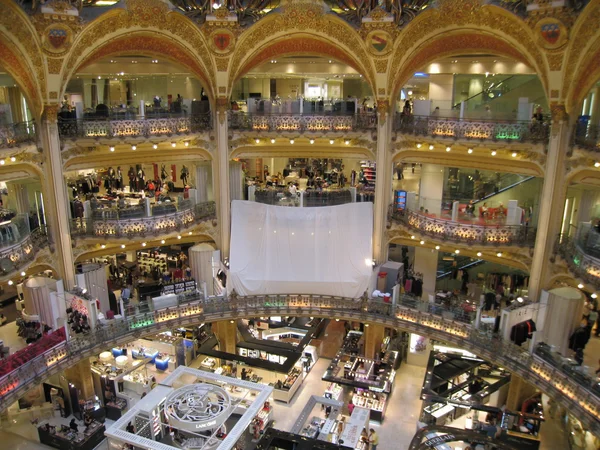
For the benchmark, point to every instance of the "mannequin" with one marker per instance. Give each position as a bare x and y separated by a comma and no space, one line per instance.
163,172
111,177
141,179
119,178
184,175
131,175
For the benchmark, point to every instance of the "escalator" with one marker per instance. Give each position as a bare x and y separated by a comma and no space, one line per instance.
485,189
445,265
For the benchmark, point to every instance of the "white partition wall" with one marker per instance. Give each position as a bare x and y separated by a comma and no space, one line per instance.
93,278
200,257
324,251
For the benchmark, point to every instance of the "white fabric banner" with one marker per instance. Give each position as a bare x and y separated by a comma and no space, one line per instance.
282,250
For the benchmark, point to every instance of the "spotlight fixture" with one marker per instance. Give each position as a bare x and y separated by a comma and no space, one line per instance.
257,140
155,146
272,141
13,159
10,282
493,152
173,144
514,154
122,245
23,274
430,146
111,148
499,254
448,148
437,247
134,147
312,141
292,141
331,141
162,241
470,151
457,251
419,145
479,254
347,142
186,143
143,244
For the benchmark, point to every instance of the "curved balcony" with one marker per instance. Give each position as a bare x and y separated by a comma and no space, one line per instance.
135,127
309,198
587,136
466,233
14,134
16,256
116,223
472,129
301,123
582,253
581,393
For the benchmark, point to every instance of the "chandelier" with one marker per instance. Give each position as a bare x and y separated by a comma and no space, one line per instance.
354,11
247,11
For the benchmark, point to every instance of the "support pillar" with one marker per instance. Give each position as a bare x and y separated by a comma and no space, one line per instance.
431,188
383,185
58,211
552,201
426,262
226,333
374,334
518,391
21,196
81,376
221,177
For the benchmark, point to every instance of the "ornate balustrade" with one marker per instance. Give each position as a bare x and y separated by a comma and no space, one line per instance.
587,136
301,122
147,126
494,130
14,134
520,235
16,256
583,264
580,394
116,227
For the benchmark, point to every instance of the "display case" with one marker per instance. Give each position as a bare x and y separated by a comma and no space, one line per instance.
375,402
64,438
114,409
284,391
334,391
162,362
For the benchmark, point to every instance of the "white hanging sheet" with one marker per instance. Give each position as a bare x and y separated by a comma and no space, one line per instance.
284,250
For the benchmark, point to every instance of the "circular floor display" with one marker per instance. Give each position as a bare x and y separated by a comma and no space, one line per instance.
198,407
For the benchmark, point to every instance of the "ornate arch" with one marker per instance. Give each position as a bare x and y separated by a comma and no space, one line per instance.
300,28
146,26
584,43
462,27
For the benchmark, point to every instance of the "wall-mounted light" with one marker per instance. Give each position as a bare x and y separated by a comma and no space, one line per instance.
179,237
419,145
514,154
331,141
272,141
437,247
23,274
257,140
422,242
10,282
312,141
13,159
103,246
347,142
479,254
155,146
292,141
493,153
597,164
173,144
134,147
2,162
457,251
162,241
469,151
143,244
186,143
448,148
499,254
111,148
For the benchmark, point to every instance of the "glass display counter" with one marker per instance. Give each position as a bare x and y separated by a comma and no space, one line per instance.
114,409
285,391
375,402
64,438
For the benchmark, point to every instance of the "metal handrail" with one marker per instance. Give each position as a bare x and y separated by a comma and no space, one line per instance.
142,226
578,259
138,126
13,134
25,251
580,394
310,122
522,235
587,136
475,129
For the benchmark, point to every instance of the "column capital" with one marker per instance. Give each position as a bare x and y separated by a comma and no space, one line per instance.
558,111
383,109
222,104
50,114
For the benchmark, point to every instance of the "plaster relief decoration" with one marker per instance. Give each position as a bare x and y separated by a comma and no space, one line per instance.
551,33
57,38
379,42
222,41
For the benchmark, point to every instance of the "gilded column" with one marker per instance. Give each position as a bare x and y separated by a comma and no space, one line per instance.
221,176
552,201
374,334
226,333
58,211
383,186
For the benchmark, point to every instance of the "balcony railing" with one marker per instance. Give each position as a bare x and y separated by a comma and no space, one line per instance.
18,255
115,225
520,235
13,134
581,393
301,122
148,126
581,260
587,136
494,130
310,198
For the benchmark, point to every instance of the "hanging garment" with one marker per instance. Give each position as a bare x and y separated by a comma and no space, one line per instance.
520,332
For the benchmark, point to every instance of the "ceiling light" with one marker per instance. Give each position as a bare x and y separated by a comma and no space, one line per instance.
13,159
134,147
312,141
173,144
143,244
190,233
520,299
499,254
257,140
580,285
179,237
437,247
291,141
430,146
422,242
111,148
186,143
413,236
23,274
479,254
493,152
2,162
103,246
347,142
470,151
155,146
448,148
331,141
330,61
122,245
10,282
162,241
514,154
597,164
419,145
457,251
272,141
594,295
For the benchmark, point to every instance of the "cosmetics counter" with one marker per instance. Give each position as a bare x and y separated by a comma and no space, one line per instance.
359,420
64,438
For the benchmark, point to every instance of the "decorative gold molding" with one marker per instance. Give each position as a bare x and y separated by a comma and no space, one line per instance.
381,65
54,65
51,112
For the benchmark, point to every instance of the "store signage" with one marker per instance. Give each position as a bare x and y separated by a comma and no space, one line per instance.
211,423
439,440
178,288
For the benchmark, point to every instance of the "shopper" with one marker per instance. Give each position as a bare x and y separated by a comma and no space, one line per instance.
373,439
350,407
244,374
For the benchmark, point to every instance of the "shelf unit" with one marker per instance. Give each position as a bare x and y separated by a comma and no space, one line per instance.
370,170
